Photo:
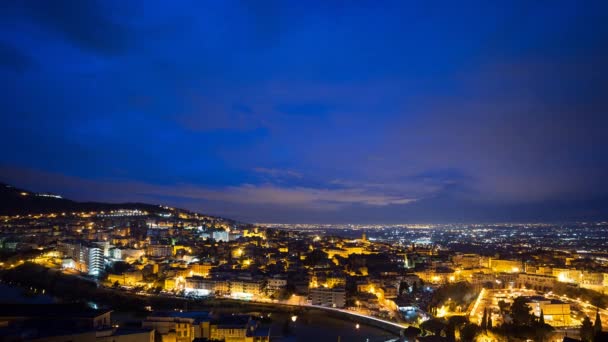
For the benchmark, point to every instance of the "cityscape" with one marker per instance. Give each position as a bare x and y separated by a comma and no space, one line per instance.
303,171
453,281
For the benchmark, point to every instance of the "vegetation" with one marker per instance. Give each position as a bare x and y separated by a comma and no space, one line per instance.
469,332
453,295
586,330
315,257
597,326
450,328
503,306
525,325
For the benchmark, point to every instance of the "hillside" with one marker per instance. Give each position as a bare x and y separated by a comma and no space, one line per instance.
15,201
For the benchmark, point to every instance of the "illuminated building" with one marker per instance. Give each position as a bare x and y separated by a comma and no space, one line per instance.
467,260
556,313
86,258
276,283
255,232
238,328
92,257
440,275
506,266
105,247
345,251
246,288
205,286
220,235
200,286
175,327
330,280
127,278
480,278
335,298
126,254
566,275
537,282
187,326
200,269
170,284
159,251
237,253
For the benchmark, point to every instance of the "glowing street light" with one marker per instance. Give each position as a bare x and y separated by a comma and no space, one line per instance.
294,318
357,326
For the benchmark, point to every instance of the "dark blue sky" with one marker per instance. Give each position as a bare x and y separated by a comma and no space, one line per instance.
304,111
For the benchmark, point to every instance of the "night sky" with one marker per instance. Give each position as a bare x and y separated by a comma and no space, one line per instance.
304,111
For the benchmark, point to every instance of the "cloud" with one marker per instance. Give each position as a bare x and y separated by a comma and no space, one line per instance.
277,173
318,198
244,194
211,114
12,58
356,109
517,132
91,25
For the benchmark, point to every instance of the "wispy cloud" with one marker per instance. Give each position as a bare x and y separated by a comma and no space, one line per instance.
243,194
278,173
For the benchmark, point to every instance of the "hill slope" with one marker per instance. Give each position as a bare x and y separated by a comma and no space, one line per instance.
15,201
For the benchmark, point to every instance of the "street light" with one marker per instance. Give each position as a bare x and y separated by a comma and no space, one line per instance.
357,326
294,318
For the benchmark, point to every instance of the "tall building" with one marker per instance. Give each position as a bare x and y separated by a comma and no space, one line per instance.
92,256
105,247
85,257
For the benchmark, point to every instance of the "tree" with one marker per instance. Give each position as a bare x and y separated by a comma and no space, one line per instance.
450,333
541,319
586,330
403,286
597,326
315,257
489,323
484,320
411,332
542,331
468,332
520,311
503,306
457,321
434,325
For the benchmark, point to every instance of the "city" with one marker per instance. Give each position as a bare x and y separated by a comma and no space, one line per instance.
435,280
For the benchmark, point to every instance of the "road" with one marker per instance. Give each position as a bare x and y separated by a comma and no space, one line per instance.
297,303
586,308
